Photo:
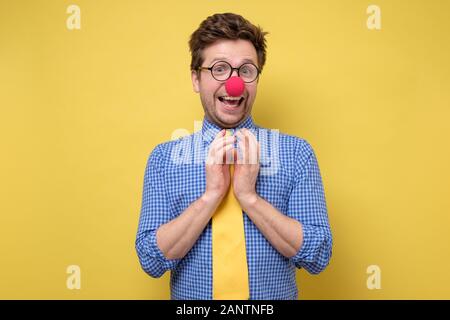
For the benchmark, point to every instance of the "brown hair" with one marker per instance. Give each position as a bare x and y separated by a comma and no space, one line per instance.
226,26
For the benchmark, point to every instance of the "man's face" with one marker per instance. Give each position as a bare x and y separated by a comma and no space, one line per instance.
236,53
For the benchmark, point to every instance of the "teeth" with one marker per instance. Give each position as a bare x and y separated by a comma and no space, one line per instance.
232,98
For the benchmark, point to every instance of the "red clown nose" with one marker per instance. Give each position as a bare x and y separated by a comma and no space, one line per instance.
234,86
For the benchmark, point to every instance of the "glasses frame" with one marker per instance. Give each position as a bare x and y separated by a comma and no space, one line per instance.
232,69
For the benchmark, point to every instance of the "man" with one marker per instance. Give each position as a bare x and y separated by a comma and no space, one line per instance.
186,222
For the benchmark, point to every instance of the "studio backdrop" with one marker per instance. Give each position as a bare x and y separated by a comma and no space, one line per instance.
89,88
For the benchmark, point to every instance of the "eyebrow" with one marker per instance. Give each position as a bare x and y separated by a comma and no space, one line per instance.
225,59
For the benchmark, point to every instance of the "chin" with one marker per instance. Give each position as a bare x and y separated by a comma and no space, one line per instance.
231,120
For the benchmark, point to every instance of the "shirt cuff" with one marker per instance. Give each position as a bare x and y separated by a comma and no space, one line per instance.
168,264
307,251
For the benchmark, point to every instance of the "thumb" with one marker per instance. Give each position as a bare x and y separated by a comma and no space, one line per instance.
235,155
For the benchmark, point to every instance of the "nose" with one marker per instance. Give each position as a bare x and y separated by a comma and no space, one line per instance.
235,86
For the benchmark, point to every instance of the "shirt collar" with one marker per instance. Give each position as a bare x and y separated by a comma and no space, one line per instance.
210,129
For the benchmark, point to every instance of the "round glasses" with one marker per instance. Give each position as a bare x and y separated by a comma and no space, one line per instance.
222,71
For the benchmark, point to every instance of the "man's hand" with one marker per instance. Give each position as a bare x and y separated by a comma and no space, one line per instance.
246,168
217,167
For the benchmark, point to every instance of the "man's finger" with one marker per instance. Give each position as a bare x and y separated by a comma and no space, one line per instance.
253,148
221,142
222,153
240,145
212,147
243,159
215,154
247,148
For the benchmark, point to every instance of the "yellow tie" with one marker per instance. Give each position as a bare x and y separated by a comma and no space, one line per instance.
230,271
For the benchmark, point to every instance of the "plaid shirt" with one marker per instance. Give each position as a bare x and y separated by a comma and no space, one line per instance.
289,179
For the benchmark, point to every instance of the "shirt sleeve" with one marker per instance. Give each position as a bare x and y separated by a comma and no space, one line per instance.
307,205
154,213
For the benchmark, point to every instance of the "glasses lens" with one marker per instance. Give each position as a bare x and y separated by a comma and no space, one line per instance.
248,72
221,70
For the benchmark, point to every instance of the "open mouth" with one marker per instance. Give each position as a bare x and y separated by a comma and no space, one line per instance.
231,101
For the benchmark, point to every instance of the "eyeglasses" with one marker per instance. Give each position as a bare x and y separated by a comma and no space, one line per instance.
222,71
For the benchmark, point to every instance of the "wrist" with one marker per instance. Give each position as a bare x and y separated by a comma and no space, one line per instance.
211,198
248,201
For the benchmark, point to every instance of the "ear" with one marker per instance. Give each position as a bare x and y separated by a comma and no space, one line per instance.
195,81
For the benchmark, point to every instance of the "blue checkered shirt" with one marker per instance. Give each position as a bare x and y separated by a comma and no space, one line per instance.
289,179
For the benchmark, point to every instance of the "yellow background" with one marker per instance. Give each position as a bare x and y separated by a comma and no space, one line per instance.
82,109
